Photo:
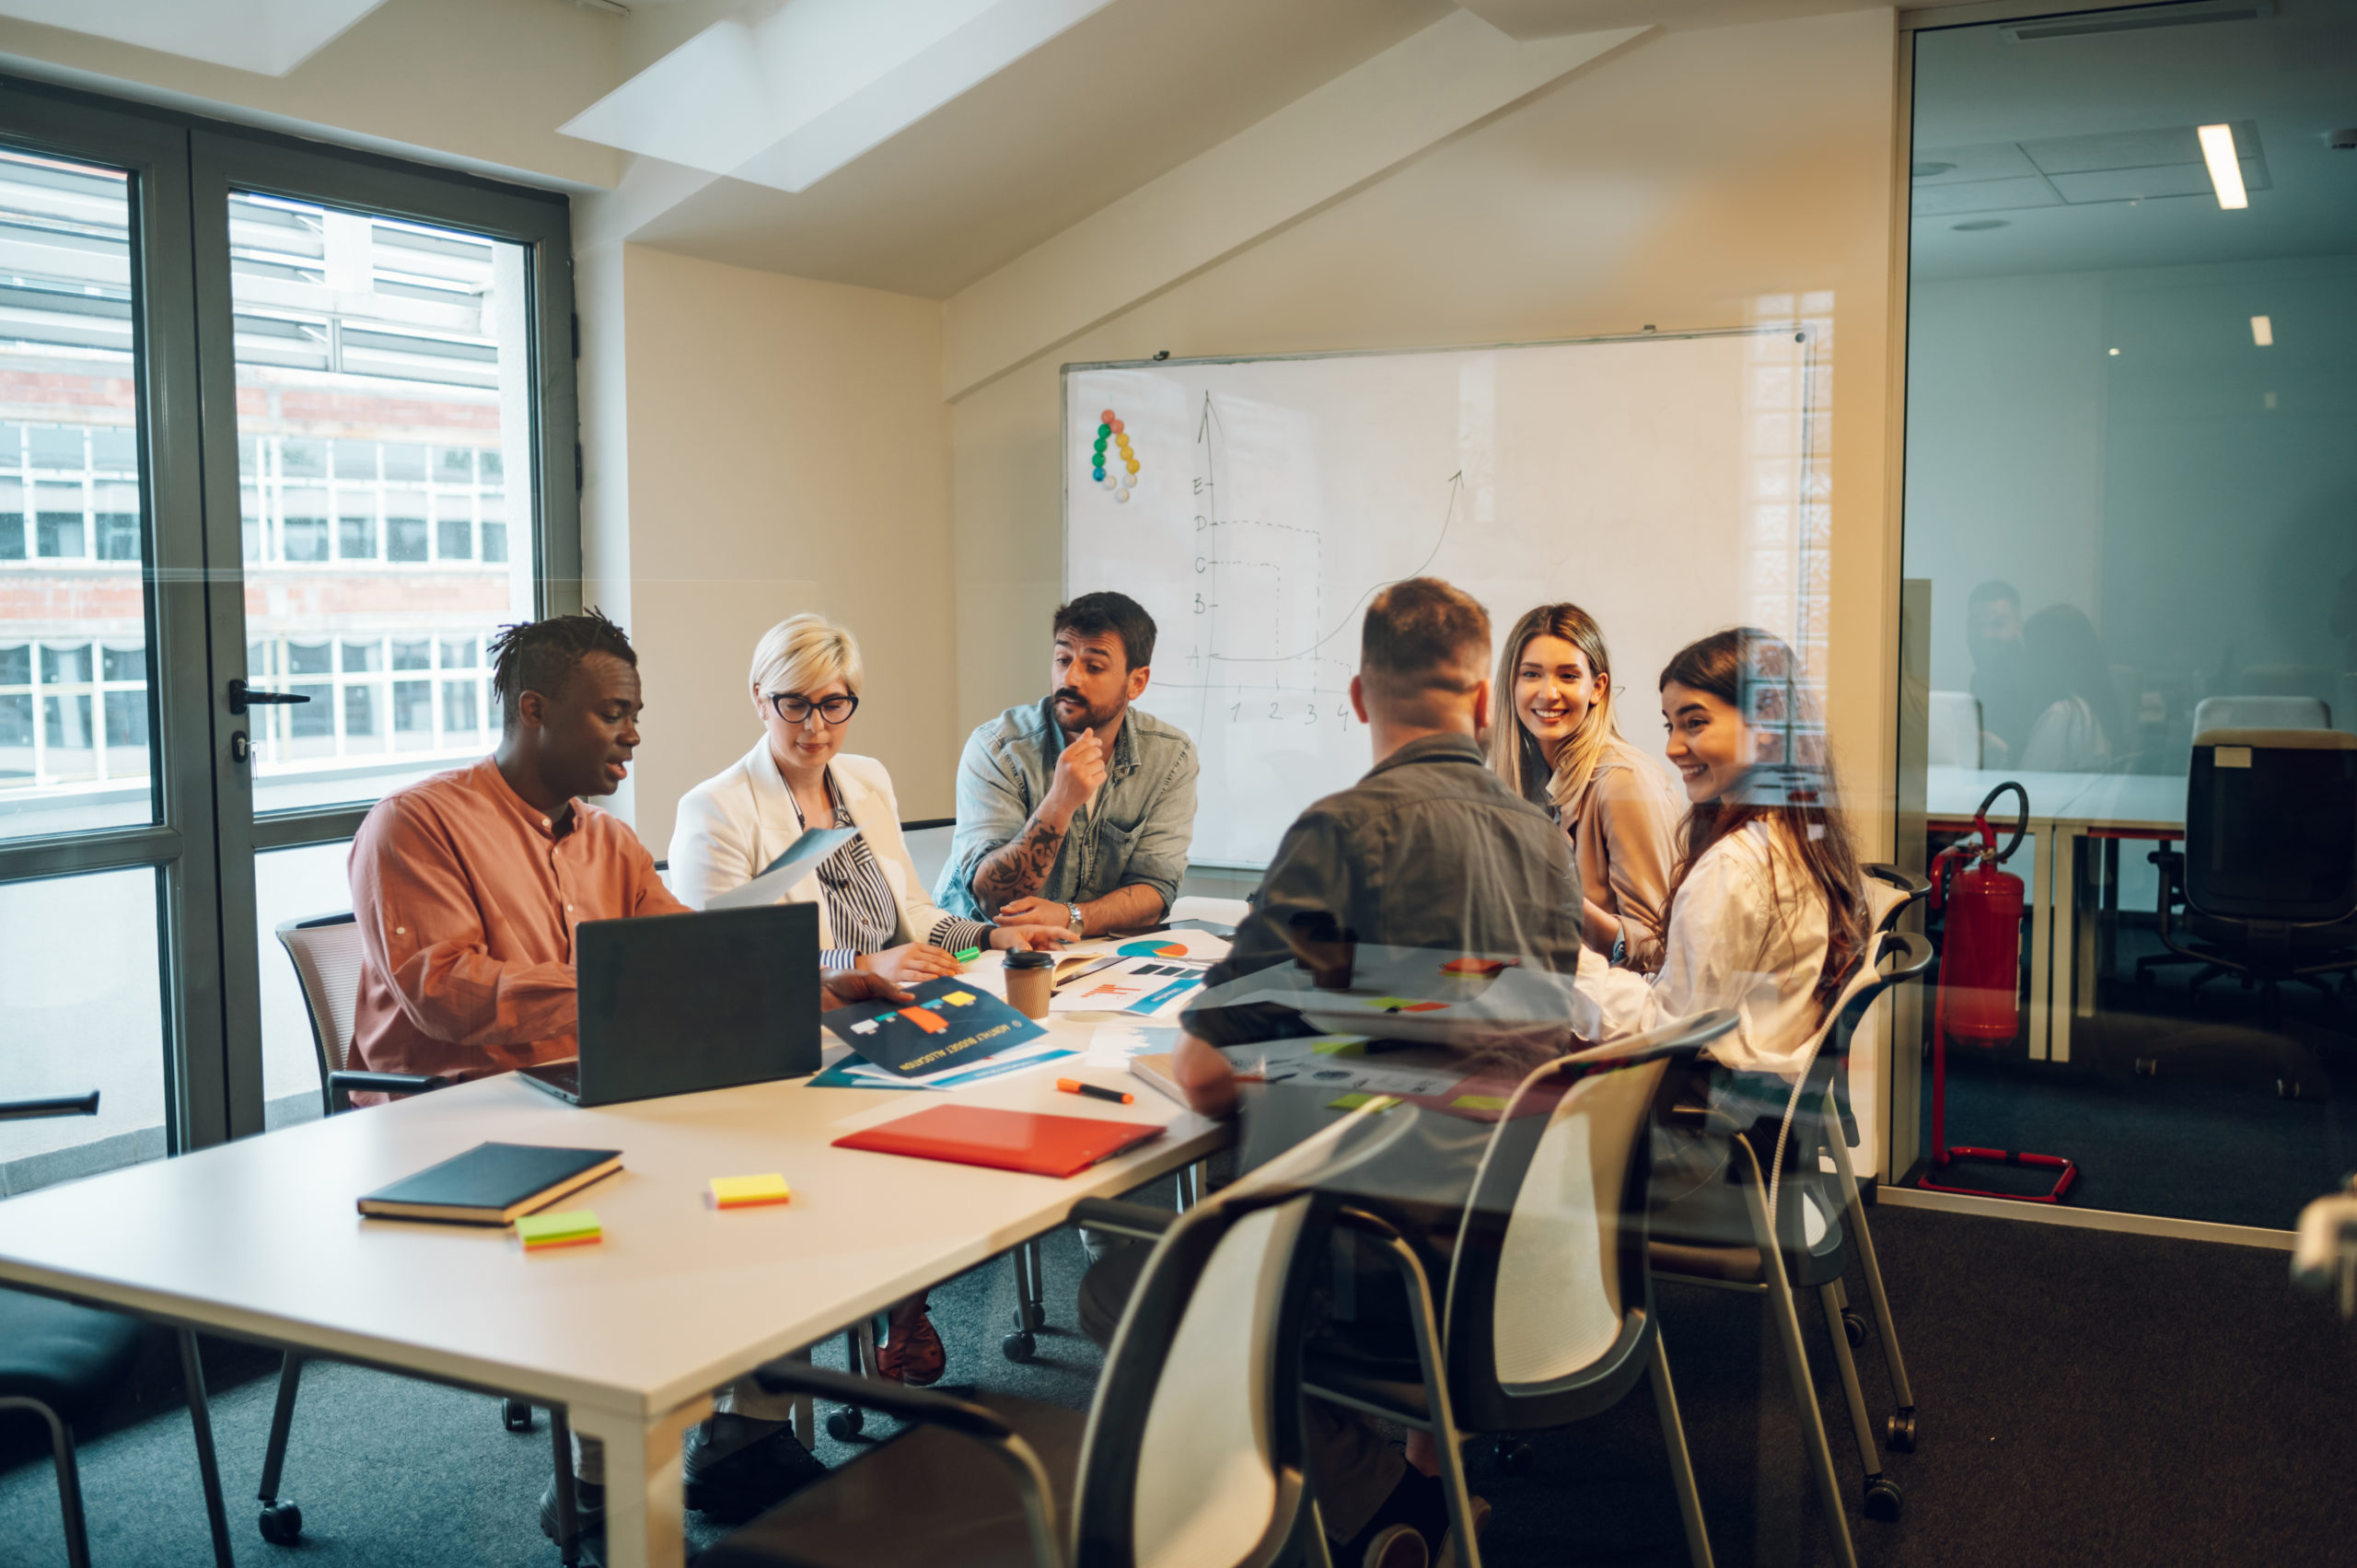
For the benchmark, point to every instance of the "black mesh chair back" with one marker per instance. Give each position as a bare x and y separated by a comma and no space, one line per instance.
2270,825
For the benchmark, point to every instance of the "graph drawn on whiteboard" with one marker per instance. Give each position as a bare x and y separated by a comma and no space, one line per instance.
1255,506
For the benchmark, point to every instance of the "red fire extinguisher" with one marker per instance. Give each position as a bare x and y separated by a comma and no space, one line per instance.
1978,1001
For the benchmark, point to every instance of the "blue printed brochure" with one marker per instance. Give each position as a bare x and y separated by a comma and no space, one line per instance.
952,1024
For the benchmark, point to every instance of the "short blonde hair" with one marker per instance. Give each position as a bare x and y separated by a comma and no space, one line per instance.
802,654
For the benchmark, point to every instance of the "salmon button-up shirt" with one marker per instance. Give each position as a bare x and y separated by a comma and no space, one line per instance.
466,900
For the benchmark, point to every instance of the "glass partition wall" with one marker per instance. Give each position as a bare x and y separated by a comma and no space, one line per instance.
2131,552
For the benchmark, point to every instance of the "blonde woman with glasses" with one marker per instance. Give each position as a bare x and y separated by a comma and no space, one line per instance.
874,913
1564,753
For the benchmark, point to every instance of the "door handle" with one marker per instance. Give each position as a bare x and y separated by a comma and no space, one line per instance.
242,696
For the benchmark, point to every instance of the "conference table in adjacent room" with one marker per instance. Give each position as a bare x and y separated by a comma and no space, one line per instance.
259,1240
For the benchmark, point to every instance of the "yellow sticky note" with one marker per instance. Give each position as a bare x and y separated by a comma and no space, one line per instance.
1480,1102
1376,1104
749,1191
574,1228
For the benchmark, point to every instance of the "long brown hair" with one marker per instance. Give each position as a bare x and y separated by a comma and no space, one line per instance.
1790,785
1515,755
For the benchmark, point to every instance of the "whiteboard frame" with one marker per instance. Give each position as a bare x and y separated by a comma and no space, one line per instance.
1801,330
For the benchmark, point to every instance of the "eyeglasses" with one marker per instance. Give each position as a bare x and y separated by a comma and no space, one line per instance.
794,707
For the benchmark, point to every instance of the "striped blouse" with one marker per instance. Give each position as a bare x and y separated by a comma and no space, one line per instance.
860,905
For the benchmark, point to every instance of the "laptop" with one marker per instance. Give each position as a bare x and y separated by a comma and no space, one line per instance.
678,1004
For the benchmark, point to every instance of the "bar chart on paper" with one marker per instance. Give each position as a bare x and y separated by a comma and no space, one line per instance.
1671,485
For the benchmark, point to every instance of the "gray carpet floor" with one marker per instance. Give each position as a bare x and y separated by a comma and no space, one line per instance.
2087,1399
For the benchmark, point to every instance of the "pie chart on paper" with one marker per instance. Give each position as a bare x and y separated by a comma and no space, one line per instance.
1153,949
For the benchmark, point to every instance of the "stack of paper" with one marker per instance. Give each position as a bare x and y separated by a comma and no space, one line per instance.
1147,985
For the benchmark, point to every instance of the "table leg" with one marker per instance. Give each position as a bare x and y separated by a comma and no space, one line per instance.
2040,894
645,1522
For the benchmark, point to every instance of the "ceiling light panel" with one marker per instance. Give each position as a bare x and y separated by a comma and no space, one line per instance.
2116,166
268,37
2226,170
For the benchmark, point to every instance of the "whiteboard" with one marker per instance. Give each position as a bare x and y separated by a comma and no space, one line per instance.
1666,484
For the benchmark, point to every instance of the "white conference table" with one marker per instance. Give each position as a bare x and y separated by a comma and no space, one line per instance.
2064,809
259,1240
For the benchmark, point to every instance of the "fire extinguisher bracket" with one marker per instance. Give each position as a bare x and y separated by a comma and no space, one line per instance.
1979,997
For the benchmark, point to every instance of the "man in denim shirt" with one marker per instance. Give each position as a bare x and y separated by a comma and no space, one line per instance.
1076,811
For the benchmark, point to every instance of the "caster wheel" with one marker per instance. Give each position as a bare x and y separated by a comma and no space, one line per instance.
1516,1458
1882,1499
1019,1345
282,1522
2148,1066
516,1415
845,1424
1899,1432
1034,1316
1853,1329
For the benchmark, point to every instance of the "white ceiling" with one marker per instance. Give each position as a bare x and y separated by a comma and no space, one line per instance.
268,37
2070,154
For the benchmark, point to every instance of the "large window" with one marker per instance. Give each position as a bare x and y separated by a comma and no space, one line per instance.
268,414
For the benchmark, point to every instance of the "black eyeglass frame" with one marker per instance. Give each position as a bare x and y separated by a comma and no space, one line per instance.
778,700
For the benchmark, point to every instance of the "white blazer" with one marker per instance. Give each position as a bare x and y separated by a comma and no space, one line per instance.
730,827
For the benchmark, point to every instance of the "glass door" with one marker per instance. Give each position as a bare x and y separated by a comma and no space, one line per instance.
388,341
110,963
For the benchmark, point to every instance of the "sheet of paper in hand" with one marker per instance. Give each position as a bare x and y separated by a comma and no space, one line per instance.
782,875
952,1024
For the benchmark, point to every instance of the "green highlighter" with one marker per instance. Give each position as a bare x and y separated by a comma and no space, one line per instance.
967,955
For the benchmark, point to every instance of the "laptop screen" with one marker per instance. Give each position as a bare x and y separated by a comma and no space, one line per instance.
676,1003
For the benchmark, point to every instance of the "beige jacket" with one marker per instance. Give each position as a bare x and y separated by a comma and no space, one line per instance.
1624,835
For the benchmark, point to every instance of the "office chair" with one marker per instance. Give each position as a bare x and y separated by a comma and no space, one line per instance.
1952,730
1763,1228
2269,873
1547,1314
2261,712
63,1363
1191,1450
325,950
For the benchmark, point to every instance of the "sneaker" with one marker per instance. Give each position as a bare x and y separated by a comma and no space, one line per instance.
588,1517
914,1354
1480,1509
738,1467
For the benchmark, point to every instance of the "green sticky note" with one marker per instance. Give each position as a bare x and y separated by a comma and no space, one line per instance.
1377,1103
570,1229
1480,1102
1392,1002
1340,1045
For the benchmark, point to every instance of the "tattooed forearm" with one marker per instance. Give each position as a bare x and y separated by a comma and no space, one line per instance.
1015,868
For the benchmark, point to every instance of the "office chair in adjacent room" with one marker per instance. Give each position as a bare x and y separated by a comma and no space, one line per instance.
325,950
2261,712
1952,731
63,1363
2269,873
1766,1226
1190,1451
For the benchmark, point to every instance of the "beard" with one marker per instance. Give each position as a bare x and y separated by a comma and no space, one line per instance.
1091,718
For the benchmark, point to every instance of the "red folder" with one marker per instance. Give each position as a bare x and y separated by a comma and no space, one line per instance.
1004,1140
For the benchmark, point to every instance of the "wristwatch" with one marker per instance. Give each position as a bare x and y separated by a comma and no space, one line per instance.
1078,922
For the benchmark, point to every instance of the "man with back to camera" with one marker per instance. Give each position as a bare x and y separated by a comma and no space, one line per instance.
1430,849
1078,811
467,887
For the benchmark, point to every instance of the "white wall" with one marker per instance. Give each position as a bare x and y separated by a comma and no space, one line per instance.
786,450
2195,494
1695,179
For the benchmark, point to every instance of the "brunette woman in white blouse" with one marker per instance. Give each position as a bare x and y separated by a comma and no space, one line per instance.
1766,910
873,912
1564,754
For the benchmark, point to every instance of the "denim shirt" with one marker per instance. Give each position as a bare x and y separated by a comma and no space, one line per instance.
1135,831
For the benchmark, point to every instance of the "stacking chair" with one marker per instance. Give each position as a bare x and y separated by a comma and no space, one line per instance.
1547,1316
1191,1453
1765,1227
2269,873
325,950
62,1361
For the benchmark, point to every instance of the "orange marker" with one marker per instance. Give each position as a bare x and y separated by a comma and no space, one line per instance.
1075,1087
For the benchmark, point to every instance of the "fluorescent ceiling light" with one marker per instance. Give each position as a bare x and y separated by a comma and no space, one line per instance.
2262,332
2226,173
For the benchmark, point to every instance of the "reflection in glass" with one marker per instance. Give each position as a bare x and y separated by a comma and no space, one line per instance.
380,366
85,1011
